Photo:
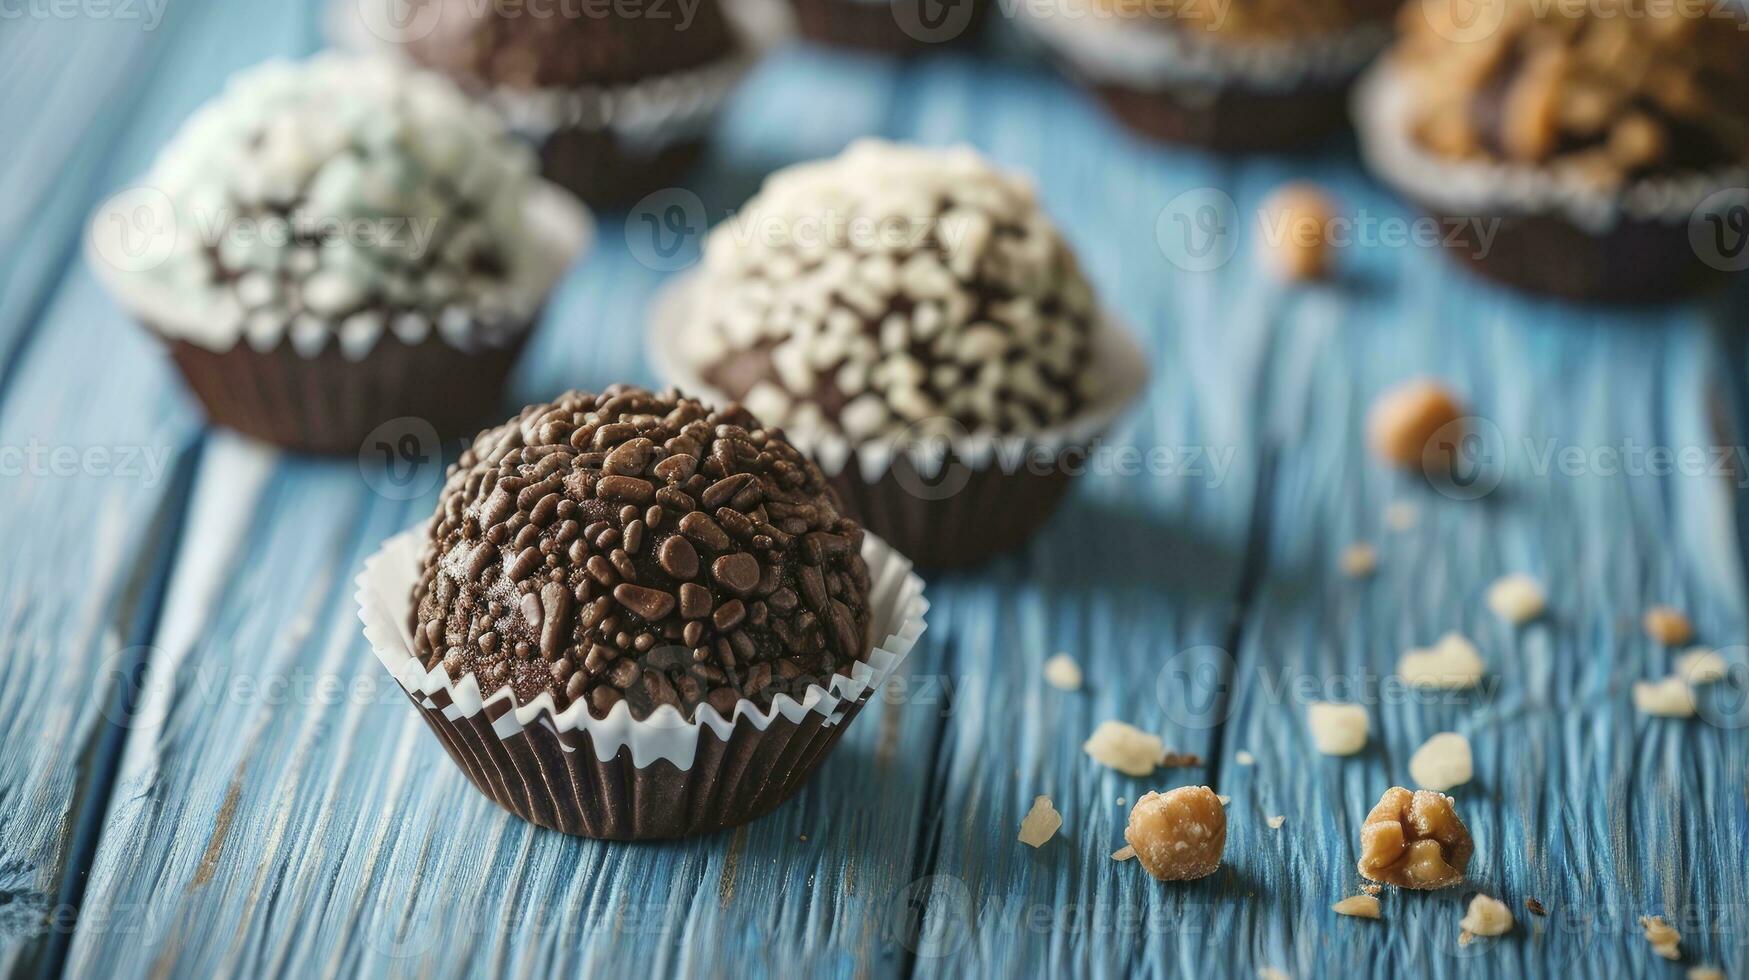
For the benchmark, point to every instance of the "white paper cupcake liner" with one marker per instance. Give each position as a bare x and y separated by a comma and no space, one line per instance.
1130,52
562,230
1382,103
385,590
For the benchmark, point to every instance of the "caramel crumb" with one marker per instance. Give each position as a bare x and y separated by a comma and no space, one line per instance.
1180,834
1360,560
1372,888
1517,599
1359,906
1535,907
1041,823
1414,840
1063,673
1486,917
1663,936
1180,760
1296,238
1405,421
1667,698
1667,625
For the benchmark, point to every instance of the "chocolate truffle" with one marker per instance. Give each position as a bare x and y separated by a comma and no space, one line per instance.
639,547
1577,150
896,290
617,97
1241,75
350,235
1609,90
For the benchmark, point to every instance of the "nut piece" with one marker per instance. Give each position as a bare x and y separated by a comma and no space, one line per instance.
1297,217
1442,762
1359,906
1337,729
1701,666
1486,917
1516,598
1063,673
1276,821
1667,625
1414,840
1123,853
1662,935
1667,698
1125,748
1450,664
1179,834
1404,421
1041,822
1706,973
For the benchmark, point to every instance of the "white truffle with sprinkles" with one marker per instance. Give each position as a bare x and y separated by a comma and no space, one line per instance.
896,289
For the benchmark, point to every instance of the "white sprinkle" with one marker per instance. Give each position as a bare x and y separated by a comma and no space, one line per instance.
1244,758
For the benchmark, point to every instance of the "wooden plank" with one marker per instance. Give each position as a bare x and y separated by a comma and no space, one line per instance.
322,836
98,450
1140,580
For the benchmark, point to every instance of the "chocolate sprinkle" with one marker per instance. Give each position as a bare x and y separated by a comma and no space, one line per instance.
635,547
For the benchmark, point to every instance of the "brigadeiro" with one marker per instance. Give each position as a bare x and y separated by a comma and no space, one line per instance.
1594,151
337,244
1240,75
634,616
618,97
894,27
912,318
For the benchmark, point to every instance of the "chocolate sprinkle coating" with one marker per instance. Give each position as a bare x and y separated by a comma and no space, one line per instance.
639,547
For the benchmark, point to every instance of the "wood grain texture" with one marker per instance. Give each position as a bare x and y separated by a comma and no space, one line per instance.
269,805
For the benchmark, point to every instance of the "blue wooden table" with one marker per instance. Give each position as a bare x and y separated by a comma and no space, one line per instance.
203,771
